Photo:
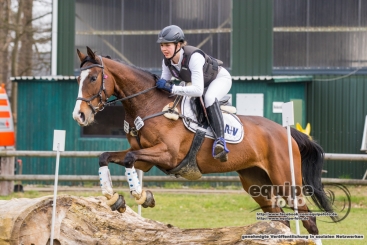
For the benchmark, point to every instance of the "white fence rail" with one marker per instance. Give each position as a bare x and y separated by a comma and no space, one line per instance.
94,178
50,153
90,154
11,153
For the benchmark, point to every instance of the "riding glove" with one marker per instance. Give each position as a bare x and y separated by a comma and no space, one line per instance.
165,85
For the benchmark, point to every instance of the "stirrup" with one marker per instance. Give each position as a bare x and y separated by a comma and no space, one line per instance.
220,150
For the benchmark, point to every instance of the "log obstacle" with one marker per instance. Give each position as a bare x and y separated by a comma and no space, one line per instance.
88,220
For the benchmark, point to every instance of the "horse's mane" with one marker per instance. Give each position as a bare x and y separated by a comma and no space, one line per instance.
133,66
89,59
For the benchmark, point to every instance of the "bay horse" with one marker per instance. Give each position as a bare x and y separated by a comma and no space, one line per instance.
261,159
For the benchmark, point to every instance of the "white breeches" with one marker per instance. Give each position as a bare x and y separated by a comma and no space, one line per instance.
218,88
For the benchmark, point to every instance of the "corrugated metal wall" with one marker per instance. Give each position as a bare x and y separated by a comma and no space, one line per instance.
44,106
252,30
336,109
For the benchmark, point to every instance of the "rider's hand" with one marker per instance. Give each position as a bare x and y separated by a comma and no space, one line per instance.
165,85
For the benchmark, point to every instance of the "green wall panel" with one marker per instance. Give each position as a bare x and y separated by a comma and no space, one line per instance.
336,109
65,37
44,106
273,92
252,37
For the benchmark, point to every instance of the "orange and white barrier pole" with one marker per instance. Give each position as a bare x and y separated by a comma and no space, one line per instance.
7,141
7,136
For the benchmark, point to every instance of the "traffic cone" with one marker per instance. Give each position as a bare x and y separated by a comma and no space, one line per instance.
7,136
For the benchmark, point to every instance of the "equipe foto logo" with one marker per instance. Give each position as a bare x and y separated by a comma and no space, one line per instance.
338,195
274,193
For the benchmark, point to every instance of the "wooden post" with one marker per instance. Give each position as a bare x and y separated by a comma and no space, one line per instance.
6,168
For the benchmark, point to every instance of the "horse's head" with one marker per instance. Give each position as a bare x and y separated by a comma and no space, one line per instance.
93,88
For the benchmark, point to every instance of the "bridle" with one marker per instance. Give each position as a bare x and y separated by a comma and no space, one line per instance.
101,89
101,104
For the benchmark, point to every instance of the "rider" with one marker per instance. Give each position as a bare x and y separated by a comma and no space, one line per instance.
190,64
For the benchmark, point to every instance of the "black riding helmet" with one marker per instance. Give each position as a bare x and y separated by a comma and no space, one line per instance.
171,34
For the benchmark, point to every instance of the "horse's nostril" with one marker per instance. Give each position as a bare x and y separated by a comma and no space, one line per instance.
82,116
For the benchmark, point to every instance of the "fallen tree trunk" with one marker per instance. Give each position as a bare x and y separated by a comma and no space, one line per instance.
81,220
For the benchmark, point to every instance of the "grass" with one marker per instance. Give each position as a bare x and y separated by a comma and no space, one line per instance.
232,209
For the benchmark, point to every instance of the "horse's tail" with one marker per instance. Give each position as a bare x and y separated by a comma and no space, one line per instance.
312,156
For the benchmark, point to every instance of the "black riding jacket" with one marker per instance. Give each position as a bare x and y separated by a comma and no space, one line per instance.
210,68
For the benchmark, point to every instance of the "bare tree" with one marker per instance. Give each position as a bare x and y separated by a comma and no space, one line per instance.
5,39
26,40
22,34
17,30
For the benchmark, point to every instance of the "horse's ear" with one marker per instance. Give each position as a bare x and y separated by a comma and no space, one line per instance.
81,55
91,53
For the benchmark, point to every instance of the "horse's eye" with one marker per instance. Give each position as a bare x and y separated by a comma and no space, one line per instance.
94,78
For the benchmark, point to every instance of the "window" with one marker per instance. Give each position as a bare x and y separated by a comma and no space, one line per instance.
128,30
108,123
320,35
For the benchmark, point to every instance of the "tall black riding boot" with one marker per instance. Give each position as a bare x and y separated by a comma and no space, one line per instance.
216,121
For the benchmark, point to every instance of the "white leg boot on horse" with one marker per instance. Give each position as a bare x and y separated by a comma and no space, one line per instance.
134,185
216,121
114,200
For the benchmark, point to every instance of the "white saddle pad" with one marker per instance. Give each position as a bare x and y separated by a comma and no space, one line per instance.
233,128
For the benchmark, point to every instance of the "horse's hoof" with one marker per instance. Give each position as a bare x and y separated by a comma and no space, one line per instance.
119,205
149,202
117,202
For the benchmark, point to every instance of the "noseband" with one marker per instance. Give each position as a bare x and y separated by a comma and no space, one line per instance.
101,89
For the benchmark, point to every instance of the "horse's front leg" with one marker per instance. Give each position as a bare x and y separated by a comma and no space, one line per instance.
155,155
114,200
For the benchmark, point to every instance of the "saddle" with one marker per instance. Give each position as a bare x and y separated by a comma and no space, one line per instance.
198,108
193,117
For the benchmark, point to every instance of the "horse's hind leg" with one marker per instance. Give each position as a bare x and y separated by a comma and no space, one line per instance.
309,222
257,177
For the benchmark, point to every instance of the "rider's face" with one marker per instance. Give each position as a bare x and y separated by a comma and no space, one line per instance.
168,49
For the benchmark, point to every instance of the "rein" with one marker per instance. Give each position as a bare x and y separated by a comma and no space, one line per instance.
101,104
128,97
